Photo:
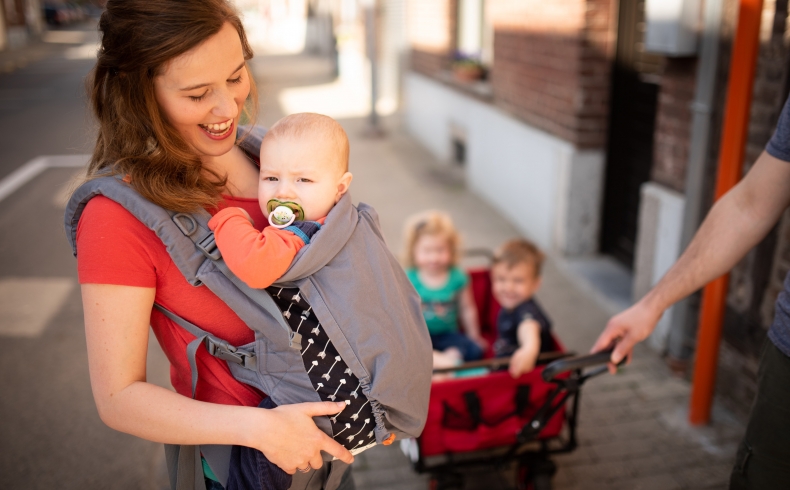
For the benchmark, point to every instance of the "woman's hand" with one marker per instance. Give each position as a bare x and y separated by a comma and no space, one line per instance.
625,330
291,440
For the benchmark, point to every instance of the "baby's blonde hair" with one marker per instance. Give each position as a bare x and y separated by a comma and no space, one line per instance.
311,125
430,222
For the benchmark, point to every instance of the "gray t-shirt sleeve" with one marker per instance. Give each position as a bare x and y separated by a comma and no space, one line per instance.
779,146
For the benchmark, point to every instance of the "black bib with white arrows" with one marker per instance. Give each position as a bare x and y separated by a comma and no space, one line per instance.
329,374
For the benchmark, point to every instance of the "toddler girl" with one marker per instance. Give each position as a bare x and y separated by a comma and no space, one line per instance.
432,250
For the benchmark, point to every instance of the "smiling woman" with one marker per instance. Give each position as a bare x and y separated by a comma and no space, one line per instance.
164,118
169,89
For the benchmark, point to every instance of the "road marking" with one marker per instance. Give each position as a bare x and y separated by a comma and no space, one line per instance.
28,304
34,167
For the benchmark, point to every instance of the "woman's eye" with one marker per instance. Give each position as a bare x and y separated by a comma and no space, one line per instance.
235,80
198,98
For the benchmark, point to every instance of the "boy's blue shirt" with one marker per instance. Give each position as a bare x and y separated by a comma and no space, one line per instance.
508,322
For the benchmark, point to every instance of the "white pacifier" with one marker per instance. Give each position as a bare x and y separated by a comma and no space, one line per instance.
281,217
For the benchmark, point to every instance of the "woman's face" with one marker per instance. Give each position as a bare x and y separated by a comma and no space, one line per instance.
202,92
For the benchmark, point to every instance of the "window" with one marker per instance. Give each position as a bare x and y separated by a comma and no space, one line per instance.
475,36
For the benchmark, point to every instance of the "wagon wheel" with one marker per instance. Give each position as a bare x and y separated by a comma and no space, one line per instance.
536,475
446,481
541,481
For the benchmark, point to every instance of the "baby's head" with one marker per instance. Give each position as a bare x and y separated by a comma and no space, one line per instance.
432,242
515,273
304,159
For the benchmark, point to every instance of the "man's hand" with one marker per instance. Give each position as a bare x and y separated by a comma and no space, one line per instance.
625,330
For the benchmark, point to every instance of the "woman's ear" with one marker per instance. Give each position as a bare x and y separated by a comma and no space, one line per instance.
343,184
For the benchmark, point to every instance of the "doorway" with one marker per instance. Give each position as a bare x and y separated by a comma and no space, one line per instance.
633,104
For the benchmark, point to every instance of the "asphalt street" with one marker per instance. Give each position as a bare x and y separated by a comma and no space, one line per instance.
50,432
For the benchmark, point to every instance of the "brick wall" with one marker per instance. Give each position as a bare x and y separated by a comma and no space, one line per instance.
673,122
551,63
431,31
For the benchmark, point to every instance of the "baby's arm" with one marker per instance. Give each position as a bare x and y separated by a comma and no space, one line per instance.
526,355
257,258
469,318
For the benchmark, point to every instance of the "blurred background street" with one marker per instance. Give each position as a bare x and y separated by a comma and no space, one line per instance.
550,121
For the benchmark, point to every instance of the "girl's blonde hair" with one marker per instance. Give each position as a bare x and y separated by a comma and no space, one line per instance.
430,222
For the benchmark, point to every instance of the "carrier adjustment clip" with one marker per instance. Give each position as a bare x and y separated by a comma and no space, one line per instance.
223,350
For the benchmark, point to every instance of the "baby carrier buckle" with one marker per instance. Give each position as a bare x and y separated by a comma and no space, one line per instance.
223,350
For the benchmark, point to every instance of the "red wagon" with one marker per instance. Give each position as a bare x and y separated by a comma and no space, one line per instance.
491,419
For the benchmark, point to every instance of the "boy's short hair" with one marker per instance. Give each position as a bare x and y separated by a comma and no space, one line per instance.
518,251
310,124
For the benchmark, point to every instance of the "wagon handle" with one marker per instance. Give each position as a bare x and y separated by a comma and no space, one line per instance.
498,362
479,252
571,364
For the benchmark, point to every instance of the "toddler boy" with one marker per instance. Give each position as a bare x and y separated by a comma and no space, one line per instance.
524,330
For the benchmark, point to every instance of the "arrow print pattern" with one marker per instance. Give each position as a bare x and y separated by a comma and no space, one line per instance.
331,377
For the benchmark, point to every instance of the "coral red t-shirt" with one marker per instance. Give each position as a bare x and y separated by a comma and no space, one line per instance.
113,247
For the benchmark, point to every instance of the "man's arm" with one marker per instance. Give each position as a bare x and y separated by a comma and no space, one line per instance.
735,224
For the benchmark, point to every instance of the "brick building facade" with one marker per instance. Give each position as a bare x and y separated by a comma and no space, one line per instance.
545,112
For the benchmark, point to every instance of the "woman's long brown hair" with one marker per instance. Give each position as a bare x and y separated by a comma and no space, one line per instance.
134,139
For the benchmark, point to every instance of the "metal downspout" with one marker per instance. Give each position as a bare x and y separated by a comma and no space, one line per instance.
681,335
736,122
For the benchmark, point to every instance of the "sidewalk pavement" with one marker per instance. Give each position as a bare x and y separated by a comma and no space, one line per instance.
633,431
75,41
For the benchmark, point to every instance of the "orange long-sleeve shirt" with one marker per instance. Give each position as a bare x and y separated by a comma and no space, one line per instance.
258,258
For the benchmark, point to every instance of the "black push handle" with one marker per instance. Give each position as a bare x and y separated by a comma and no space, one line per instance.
571,364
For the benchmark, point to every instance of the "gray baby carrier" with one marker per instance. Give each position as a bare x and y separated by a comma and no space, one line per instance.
345,274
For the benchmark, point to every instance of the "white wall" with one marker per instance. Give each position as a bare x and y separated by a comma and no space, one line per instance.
657,248
545,186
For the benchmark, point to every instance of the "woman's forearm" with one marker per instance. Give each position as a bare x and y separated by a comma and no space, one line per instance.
158,414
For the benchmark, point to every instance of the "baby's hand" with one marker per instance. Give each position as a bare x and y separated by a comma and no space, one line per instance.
523,361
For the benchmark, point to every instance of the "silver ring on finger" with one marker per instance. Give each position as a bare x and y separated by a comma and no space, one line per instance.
305,470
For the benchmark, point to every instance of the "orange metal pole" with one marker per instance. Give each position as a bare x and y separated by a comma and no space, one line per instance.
731,151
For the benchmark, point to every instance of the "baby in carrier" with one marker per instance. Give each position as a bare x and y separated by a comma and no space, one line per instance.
303,174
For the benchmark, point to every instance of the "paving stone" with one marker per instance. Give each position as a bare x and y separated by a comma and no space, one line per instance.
623,450
715,475
655,482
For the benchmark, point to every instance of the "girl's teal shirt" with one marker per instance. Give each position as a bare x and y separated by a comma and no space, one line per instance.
440,306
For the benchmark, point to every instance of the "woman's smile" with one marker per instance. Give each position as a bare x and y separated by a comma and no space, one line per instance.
218,131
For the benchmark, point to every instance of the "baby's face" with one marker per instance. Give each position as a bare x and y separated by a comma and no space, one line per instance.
308,173
513,285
